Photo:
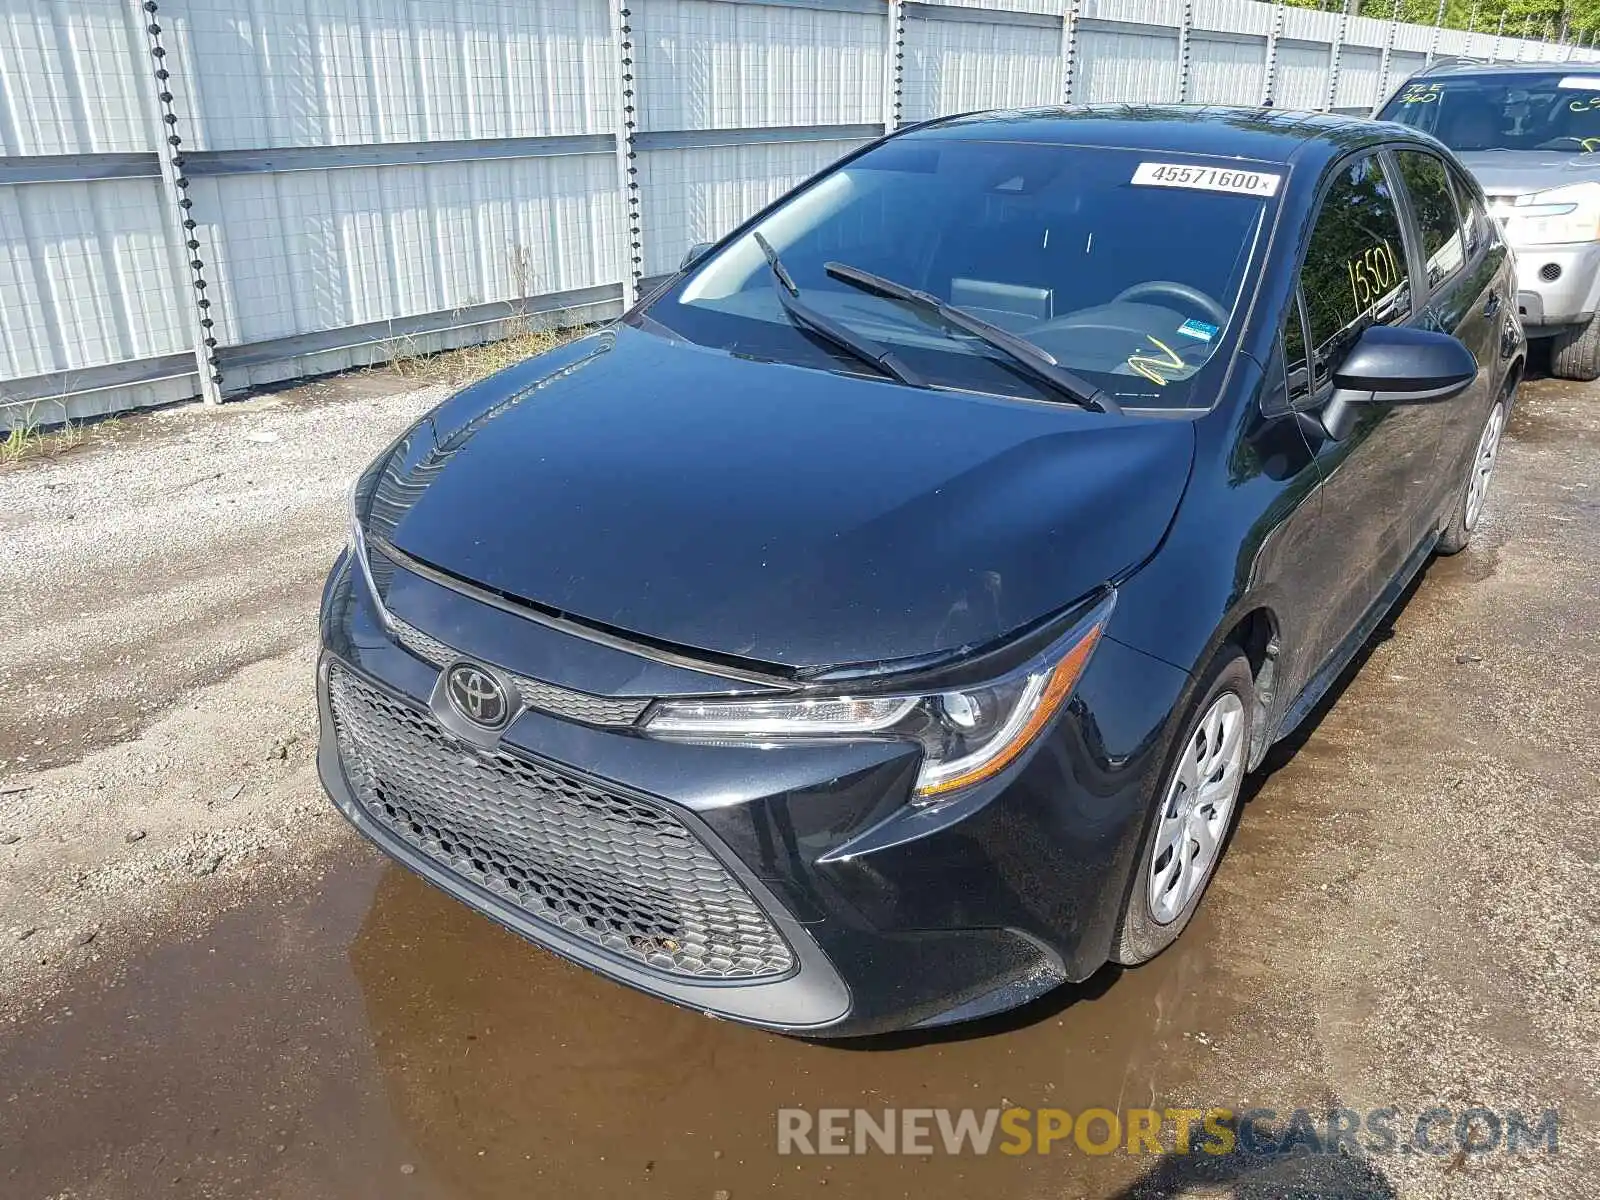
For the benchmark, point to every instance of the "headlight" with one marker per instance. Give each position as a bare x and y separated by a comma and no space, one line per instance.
1552,218
967,734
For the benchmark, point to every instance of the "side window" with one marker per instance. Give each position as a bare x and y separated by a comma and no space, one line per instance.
1355,271
1474,220
1438,219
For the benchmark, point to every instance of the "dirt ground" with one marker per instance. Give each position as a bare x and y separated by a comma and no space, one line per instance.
210,987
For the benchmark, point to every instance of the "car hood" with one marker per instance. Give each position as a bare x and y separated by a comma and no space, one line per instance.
1516,172
773,513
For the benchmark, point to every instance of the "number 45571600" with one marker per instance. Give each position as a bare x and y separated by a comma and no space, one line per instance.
1373,273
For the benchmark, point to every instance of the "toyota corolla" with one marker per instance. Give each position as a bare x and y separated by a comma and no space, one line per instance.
874,627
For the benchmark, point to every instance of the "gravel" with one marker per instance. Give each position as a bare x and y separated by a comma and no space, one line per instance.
155,700
1432,935
1405,917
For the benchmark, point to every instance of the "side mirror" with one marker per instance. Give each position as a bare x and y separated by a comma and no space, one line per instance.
694,254
1396,364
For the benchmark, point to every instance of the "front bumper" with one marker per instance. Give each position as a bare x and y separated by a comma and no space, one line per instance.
1549,305
895,917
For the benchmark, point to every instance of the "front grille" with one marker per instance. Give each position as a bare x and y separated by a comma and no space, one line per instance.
602,867
546,697
578,706
425,646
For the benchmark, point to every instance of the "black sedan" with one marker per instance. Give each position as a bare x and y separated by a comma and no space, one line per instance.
873,629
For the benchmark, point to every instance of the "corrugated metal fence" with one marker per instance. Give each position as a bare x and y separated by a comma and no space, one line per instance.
198,196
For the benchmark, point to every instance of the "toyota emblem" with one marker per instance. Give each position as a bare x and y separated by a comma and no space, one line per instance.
477,696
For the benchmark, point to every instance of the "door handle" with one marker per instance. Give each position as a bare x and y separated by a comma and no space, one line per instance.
1492,304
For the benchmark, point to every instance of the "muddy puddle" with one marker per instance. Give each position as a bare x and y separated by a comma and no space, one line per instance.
371,1037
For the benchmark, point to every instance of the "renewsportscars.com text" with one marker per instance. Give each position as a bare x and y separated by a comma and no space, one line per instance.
1138,1131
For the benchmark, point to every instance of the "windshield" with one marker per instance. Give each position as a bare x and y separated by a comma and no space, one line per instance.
1536,111
1125,266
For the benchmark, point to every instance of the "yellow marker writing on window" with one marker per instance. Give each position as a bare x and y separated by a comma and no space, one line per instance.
1373,274
1151,365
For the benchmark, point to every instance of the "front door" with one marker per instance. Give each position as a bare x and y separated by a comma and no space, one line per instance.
1375,480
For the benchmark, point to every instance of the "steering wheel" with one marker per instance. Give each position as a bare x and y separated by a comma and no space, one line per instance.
1177,291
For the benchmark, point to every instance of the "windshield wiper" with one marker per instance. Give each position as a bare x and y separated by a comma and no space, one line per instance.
863,347
1033,360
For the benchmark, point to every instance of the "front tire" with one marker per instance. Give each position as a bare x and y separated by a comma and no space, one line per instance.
1192,814
1480,471
1575,353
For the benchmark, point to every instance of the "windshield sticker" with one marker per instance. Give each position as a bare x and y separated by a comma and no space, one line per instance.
1207,179
1582,83
1151,364
1198,329
1374,273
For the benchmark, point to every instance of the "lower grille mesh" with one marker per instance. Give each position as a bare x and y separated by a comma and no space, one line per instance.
600,866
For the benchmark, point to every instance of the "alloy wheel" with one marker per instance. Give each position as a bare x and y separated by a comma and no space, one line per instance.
1197,807
1483,466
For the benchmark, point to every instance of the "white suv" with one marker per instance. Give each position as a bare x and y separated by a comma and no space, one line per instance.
1530,133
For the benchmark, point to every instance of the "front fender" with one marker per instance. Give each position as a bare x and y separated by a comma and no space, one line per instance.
1239,545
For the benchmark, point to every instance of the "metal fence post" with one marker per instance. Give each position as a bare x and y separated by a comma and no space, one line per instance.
1069,48
1183,51
1274,32
1438,29
894,66
1333,57
180,209
1388,54
627,156
1494,50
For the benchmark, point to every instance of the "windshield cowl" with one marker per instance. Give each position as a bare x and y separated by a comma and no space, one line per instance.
1507,174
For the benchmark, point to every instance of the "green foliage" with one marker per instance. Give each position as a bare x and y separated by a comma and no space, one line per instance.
1540,18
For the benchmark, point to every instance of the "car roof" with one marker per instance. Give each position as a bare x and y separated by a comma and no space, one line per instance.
1472,66
1268,135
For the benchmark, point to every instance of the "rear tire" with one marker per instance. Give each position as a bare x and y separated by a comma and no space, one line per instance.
1475,490
1193,813
1575,353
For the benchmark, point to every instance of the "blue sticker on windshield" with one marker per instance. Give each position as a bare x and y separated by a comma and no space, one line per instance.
1198,329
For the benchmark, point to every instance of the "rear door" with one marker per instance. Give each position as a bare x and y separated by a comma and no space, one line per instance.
1491,285
1459,295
